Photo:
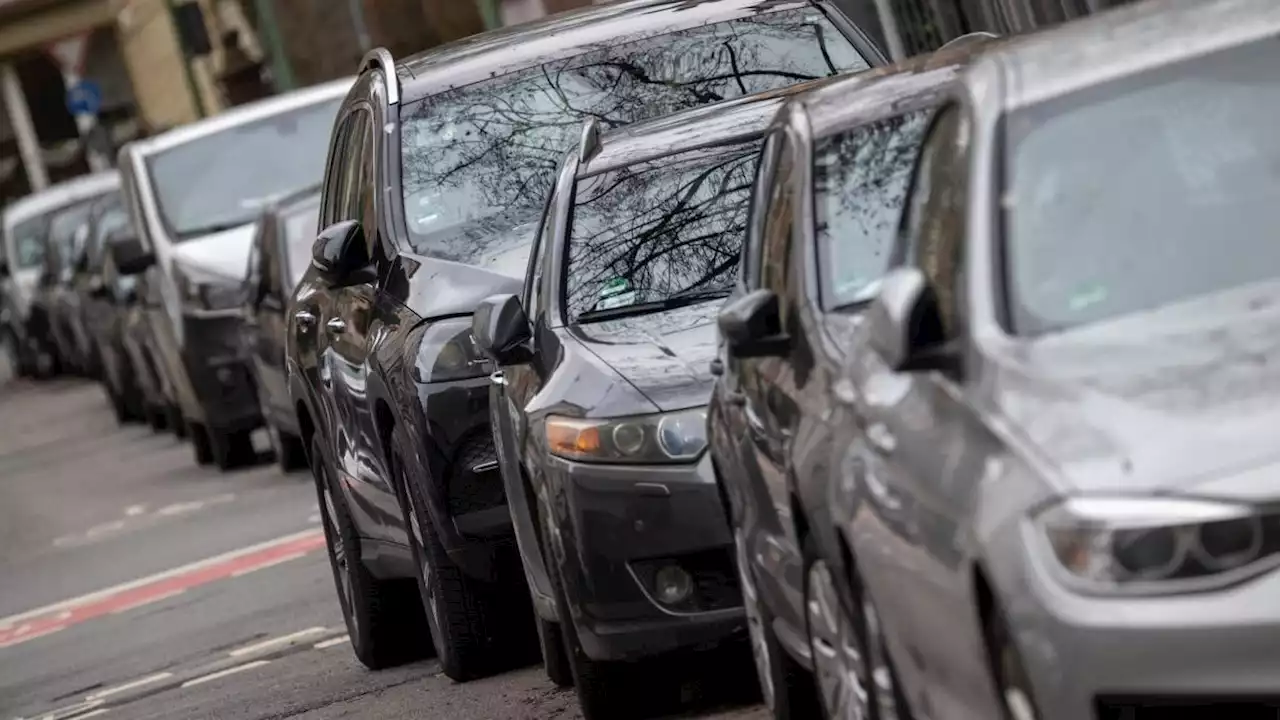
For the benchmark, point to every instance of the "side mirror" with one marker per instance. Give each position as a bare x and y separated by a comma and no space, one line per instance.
502,330
129,255
904,324
752,326
339,250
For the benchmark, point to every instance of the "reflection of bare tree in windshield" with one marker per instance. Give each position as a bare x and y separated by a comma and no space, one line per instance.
491,149
860,187
649,232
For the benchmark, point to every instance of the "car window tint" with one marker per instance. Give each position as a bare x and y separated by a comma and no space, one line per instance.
775,259
241,168
648,232
758,209
860,181
936,217
479,160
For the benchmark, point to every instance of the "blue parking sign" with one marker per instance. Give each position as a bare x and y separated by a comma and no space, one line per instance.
84,98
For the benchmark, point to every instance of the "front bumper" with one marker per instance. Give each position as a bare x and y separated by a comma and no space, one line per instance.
218,373
614,527
1093,657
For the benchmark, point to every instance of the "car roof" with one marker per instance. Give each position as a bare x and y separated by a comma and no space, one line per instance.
920,81
242,115
499,52
1127,40
737,120
63,193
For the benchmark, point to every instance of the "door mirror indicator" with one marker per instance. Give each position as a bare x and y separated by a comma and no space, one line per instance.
904,324
128,253
752,326
340,250
502,330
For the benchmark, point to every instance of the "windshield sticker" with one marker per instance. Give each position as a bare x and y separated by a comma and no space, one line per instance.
621,299
615,286
1087,298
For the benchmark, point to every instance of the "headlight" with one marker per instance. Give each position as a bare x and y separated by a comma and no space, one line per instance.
447,351
202,291
674,437
1158,545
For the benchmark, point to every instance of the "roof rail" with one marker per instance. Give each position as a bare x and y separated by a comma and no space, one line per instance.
381,59
589,144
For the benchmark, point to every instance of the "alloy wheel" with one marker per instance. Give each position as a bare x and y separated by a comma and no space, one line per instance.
339,550
755,623
840,667
428,575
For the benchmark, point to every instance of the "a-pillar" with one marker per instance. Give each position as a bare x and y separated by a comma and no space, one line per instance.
24,130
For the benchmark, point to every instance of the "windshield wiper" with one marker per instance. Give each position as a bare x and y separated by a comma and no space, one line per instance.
671,303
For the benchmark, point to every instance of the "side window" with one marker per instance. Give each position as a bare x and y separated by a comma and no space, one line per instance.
331,210
775,259
935,219
364,206
757,211
533,278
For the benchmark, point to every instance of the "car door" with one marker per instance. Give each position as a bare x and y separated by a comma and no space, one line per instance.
923,443
767,385
350,335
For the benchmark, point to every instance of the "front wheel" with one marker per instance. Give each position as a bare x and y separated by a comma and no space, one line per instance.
473,623
384,618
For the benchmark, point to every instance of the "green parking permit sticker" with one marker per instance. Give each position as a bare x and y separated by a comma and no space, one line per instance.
1087,297
614,286
621,299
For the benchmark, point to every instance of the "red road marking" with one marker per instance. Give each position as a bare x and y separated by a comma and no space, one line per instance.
129,596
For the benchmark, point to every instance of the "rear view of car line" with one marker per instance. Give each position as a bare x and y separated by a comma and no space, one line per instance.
194,194
430,204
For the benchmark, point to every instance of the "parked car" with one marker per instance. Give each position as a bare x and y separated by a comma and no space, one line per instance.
105,298
194,245
827,201
26,227
599,403
425,220
1061,501
280,254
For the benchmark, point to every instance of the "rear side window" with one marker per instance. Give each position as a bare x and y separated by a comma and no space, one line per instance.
479,160
659,231
860,183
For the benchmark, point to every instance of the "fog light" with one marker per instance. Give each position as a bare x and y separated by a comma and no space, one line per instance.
674,585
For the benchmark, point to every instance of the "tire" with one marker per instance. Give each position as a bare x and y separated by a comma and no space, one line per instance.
606,690
156,418
290,453
1016,696
201,444
231,450
117,404
554,658
475,625
384,618
175,422
786,687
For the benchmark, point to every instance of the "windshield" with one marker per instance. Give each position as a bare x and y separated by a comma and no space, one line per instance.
299,236
652,232
486,154
860,180
28,242
240,169
1144,191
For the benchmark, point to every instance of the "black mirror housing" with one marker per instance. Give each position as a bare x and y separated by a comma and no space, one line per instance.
904,324
752,325
340,250
129,254
502,330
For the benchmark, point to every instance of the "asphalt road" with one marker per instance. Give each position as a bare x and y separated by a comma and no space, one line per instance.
134,584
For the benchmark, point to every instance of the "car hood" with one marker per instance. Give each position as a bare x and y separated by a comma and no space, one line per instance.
666,356
224,254
440,286
1185,396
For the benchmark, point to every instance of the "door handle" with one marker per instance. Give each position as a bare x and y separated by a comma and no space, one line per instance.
881,438
497,377
304,318
336,325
